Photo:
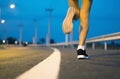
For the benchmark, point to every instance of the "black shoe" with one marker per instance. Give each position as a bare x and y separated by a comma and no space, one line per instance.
81,54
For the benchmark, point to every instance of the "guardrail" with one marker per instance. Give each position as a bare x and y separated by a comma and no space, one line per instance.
108,37
103,38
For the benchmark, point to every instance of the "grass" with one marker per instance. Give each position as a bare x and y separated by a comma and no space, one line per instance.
15,61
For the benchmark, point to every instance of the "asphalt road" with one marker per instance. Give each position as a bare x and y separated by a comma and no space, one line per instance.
14,61
101,65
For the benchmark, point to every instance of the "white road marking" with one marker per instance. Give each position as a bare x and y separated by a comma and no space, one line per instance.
47,69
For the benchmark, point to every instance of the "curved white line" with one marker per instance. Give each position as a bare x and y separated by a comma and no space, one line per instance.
47,69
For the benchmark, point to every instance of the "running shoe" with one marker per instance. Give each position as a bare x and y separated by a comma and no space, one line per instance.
81,54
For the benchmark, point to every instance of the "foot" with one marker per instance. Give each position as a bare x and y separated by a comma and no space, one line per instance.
67,23
81,54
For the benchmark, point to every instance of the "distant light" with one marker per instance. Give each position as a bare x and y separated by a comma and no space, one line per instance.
3,41
16,42
26,42
12,6
2,21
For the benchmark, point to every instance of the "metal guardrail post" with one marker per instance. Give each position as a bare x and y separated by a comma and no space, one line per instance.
93,45
66,39
105,45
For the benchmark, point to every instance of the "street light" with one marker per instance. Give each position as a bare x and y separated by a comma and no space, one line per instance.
12,6
3,41
49,10
2,21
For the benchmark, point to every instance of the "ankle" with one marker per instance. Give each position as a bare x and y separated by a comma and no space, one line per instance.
81,47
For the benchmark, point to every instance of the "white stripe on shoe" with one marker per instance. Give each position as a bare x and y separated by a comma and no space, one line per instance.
47,69
82,57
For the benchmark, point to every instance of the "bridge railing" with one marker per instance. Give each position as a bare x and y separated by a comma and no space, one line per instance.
103,38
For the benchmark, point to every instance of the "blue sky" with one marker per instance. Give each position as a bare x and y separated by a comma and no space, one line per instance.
104,18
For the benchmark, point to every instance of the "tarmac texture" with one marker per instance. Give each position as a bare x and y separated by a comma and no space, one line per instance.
101,65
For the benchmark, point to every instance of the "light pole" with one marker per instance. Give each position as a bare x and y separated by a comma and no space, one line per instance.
20,39
5,34
36,31
71,36
0,13
2,21
49,10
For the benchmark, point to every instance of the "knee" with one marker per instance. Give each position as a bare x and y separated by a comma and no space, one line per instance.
84,27
84,19
84,24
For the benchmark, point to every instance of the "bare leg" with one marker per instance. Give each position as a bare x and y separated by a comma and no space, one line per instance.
84,14
75,4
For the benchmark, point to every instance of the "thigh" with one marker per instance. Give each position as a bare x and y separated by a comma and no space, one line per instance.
86,5
73,3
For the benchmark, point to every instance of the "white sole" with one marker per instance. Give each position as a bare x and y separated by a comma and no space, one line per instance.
82,57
